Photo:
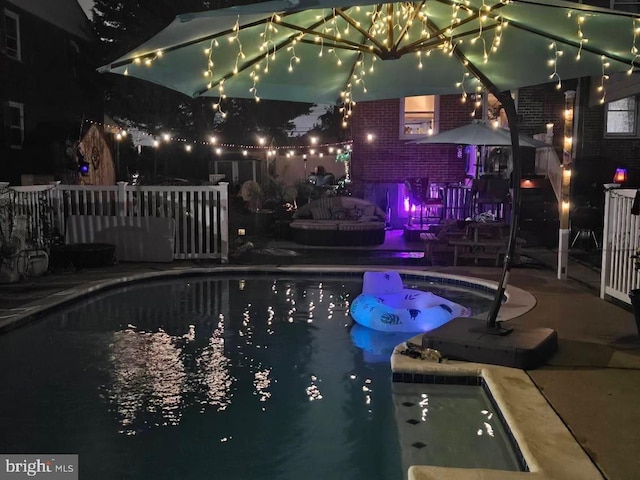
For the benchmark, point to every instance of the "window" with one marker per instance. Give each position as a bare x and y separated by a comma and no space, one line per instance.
15,124
632,6
418,115
620,117
12,34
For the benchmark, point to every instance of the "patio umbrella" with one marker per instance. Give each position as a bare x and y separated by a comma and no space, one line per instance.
482,134
325,51
350,50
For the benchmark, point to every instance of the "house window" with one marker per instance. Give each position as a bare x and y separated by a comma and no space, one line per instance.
418,115
621,117
15,124
12,34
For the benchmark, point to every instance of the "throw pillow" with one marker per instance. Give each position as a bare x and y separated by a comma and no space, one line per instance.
321,214
369,210
355,213
339,213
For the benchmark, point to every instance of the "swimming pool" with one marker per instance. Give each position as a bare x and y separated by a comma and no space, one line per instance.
210,377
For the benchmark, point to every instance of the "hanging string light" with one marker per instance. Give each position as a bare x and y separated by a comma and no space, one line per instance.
219,147
634,48
581,36
553,62
603,78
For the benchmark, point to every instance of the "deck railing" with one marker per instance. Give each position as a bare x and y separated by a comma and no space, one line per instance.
620,242
200,212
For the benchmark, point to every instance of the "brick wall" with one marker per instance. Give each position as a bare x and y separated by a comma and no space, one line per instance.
389,159
596,156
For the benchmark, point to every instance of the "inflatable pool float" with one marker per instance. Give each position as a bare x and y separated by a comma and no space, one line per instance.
385,305
376,346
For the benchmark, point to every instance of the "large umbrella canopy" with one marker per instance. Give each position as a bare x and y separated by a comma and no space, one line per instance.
324,51
480,133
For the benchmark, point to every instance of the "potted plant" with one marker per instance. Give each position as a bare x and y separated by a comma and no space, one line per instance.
11,241
251,193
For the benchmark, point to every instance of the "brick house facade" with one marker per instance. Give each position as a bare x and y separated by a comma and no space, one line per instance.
389,159
48,84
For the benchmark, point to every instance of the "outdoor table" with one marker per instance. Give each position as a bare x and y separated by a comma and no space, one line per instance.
482,240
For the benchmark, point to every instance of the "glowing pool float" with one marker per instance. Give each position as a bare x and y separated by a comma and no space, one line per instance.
385,305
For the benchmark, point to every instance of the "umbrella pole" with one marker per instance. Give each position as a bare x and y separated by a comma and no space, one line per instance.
493,326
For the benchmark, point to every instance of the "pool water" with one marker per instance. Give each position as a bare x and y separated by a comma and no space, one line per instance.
223,377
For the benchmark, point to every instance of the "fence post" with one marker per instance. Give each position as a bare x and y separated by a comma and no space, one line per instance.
223,225
606,241
57,207
121,200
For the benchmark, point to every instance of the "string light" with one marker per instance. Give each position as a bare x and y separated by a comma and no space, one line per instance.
581,36
554,63
219,148
634,48
603,78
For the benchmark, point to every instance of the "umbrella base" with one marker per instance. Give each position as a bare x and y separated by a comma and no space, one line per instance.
463,339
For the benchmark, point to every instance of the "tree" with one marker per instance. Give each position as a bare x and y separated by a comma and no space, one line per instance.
121,26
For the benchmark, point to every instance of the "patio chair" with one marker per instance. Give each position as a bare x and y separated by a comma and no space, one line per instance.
429,198
491,194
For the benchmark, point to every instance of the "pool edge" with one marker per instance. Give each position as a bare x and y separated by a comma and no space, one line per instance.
518,301
548,447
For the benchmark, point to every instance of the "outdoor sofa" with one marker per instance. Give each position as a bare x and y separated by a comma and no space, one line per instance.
339,221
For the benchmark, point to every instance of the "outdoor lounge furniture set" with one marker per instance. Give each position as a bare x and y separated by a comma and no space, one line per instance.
339,221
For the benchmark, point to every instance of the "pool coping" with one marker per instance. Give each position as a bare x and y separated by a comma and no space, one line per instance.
547,446
518,301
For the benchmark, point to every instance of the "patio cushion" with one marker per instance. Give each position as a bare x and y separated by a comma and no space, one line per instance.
304,224
359,226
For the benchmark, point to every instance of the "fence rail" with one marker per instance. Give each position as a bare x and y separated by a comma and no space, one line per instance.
200,212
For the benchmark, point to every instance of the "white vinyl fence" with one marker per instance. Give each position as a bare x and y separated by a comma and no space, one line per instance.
621,240
200,212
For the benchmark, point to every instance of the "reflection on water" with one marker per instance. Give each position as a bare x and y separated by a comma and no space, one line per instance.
148,378
213,371
150,384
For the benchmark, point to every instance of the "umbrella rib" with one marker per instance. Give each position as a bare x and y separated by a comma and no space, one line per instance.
580,8
187,44
434,42
342,46
227,31
466,63
366,34
311,31
416,11
440,33
247,64
421,43
566,41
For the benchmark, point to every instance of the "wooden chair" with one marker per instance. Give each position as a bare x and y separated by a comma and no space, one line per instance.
429,199
490,194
